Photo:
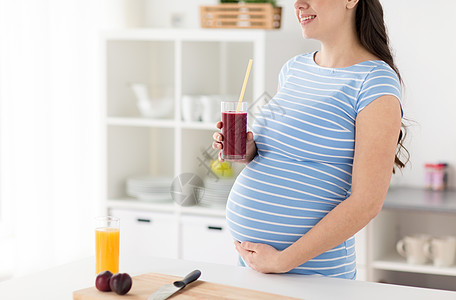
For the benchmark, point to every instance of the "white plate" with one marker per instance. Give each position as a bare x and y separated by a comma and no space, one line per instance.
152,197
151,190
150,186
223,205
150,180
218,185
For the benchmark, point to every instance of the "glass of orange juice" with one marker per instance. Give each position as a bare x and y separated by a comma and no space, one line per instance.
107,232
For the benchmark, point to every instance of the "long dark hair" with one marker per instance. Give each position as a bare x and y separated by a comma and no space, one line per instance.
372,34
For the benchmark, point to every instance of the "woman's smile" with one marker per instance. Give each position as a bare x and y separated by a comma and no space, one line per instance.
304,12
305,18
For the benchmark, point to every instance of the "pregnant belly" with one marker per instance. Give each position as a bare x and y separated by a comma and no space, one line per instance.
277,204
277,208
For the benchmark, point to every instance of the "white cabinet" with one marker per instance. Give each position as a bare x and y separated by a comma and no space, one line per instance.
207,239
168,234
145,233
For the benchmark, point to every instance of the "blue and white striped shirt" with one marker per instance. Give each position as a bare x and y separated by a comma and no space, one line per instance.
305,137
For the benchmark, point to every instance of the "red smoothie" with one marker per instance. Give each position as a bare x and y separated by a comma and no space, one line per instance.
234,131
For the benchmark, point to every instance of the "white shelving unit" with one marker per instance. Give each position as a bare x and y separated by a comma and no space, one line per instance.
174,63
394,262
410,211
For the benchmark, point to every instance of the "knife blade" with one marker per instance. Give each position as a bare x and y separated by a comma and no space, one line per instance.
167,290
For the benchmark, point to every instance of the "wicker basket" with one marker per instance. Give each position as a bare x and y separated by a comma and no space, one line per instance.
252,16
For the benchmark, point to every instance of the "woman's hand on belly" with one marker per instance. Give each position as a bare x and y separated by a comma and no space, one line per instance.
261,257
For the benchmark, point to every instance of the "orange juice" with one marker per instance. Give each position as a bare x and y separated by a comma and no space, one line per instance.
107,249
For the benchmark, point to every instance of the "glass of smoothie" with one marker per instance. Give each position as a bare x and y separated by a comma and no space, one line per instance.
107,233
234,130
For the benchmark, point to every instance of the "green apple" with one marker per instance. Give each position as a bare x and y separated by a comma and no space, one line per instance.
222,169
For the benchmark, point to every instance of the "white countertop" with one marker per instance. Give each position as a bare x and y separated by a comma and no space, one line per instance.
59,283
419,199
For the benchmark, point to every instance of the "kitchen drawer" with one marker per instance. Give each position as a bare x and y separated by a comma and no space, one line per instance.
207,239
145,234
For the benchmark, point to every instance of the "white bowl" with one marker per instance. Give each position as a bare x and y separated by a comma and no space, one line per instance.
155,108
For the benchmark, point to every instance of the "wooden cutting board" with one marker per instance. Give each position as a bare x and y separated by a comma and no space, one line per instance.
146,284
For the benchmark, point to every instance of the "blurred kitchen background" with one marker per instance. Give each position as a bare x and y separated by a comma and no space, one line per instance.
70,145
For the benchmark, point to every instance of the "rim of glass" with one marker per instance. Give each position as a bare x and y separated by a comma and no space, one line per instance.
235,102
230,105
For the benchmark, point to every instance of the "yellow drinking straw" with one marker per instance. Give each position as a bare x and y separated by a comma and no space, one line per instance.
246,78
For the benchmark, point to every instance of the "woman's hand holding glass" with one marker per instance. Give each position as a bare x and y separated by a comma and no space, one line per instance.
251,149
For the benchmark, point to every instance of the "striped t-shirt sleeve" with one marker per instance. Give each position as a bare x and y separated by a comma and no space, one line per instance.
284,71
381,81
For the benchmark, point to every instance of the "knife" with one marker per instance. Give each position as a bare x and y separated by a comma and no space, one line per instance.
167,290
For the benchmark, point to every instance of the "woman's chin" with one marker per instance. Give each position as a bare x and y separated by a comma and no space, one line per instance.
306,35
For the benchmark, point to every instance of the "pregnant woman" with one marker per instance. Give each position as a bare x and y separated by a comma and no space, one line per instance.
318,171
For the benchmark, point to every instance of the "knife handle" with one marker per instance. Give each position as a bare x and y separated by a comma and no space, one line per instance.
192,276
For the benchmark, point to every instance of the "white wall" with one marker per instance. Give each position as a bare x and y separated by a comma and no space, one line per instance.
423,37
160,13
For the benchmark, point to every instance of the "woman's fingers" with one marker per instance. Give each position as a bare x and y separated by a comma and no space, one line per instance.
217,137
249,136
218,142
217,145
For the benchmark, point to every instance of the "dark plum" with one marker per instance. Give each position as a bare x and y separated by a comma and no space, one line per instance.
102,282
120,283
